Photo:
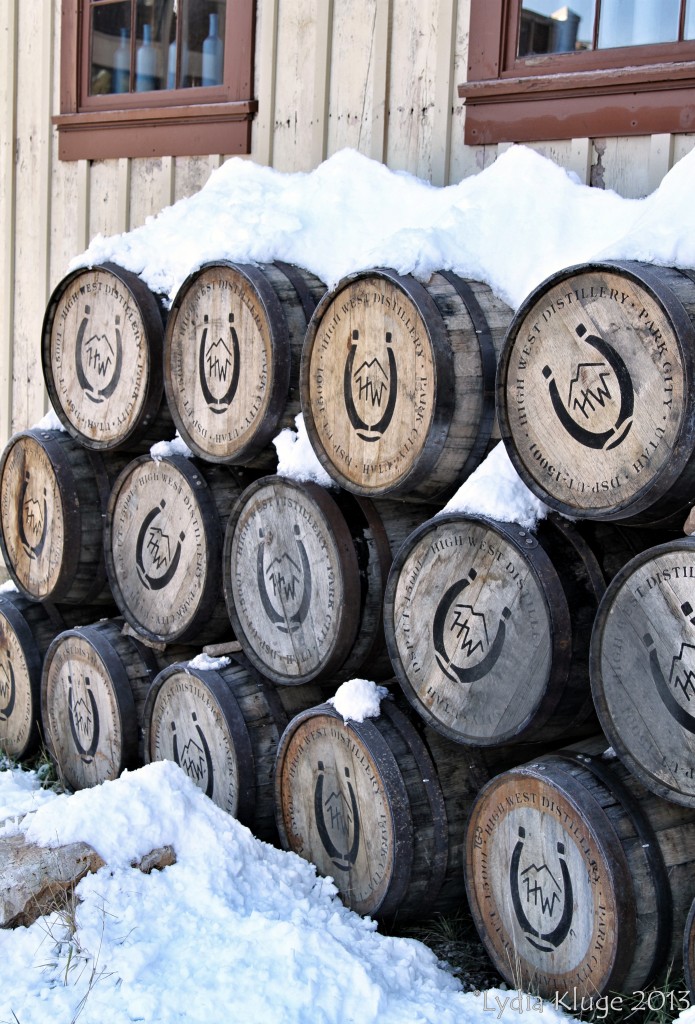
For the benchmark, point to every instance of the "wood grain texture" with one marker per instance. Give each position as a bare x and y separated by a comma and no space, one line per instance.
577,877
595,392
397,381
643,668
231,357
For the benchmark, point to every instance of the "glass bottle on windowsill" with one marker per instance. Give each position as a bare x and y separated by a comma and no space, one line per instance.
121,64
146,63
212,55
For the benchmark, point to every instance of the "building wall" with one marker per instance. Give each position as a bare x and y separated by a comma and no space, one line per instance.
379,76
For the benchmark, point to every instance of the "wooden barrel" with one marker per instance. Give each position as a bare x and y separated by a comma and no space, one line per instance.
689,957
596,392
304,575
579,880
163,540
397,381
53,496
643,668
93,688
102,359
232,350
488,628
26,630
222,723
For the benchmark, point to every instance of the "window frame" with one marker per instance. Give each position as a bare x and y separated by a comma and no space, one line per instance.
632,90
176,122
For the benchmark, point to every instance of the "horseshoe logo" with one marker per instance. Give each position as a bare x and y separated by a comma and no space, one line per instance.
372,381
100,355
285,576
341,817
681,676
590,398
195,766
486,664
216,362
159,548
542,890
10,688
32,514
84,717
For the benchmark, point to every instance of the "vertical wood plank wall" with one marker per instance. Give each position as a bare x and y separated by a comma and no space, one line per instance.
381,78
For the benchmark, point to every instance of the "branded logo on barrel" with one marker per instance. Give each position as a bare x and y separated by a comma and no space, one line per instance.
98,358
337,817
541,894
157,552
84,717
8,687
284,581
218,363
678,690
370,387
192,753
33,519
464,647
597,411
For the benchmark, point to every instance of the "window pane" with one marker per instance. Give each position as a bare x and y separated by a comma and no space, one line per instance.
110,52
546,28
689,31
203,42
156,28
636,22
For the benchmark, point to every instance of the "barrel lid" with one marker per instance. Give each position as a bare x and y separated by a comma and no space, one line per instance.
88,707
548,883
476,621
341,803
377,382
291,580
227,361
20,679
101,355
643,668
594,389
192,717
163,543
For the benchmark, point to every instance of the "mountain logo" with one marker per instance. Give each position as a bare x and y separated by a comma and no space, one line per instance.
284,584
218,365
84,719
463,648
33,519
541,895
595,390
8,688
370,391
676,692
337,820
98,360
195,757
156,559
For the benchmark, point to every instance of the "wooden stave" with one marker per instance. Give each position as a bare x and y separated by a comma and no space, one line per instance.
568,691
216,488
626,751
154,420
288,295
83,480
649,849
689,954
672,289
438,473
130,668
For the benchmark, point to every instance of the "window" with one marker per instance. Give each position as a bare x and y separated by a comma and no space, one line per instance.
540,71
155,78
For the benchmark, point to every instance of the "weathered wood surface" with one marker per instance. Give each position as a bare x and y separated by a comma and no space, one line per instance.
488,627
397,382
222,726
643,668
578,878
40,879
596,393
102,359
689,953
53,495
304,576
163,541
93,689
689,526
232,351
26,630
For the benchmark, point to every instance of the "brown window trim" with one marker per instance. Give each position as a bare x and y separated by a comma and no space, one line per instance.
183,122
638,90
